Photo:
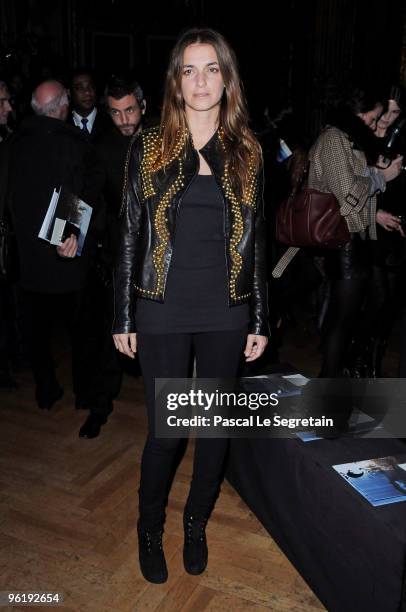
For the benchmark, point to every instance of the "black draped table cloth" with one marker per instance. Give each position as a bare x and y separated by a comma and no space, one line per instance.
352,555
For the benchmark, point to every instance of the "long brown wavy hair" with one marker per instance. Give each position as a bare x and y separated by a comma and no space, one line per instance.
242,150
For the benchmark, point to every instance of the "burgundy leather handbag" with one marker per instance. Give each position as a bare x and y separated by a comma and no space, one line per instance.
311,218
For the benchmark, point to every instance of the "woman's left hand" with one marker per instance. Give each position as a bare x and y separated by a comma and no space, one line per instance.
388,221
255,346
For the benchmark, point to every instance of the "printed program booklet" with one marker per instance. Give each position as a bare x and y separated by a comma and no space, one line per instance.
67,214
281,384
381,481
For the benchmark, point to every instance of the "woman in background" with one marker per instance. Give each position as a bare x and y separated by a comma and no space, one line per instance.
342,162
387,253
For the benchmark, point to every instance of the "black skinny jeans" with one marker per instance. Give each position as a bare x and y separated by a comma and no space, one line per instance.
218,354
349,270
383,299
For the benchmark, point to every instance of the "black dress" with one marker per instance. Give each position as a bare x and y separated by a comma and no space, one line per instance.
196,296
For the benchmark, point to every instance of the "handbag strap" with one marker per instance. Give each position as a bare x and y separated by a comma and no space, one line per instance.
290,252
299,182
304,176
284,261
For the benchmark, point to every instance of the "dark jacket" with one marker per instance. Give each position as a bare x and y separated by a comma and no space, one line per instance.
46,153
150,207
102,123
111,148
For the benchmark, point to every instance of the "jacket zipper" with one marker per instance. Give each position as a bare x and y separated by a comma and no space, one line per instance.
225,232
175,225
225,239
225,247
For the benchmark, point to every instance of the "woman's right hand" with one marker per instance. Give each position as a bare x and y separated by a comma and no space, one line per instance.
393,170
68,248
126,344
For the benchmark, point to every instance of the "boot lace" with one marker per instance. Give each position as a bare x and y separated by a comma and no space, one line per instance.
153,540
195,529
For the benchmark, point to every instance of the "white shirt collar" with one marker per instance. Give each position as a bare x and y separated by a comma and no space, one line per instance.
90,119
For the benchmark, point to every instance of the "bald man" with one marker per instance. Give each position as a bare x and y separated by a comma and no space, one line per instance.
50,99
46,153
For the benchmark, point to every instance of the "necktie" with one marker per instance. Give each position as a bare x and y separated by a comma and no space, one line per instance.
85,121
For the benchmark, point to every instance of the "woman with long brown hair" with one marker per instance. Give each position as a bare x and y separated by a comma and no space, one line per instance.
343,162
190,276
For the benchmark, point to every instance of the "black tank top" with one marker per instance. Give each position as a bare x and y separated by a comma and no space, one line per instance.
196,295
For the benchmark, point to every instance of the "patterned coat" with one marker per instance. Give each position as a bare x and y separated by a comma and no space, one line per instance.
336,167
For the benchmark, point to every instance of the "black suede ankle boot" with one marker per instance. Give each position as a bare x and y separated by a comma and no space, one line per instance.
195,551
151,555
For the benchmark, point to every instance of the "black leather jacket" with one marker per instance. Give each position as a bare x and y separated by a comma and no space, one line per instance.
150,206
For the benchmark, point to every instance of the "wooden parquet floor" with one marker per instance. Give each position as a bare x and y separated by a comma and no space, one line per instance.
68,511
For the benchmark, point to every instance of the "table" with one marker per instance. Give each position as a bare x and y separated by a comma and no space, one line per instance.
352,555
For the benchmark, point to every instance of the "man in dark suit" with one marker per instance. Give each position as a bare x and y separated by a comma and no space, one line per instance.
46,153
125,103
85,114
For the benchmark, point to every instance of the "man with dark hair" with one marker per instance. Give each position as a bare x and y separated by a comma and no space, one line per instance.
125,103
85,114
